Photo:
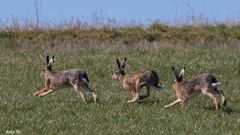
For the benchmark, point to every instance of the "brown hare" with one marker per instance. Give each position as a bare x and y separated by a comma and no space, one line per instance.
204,83
72,77
133,82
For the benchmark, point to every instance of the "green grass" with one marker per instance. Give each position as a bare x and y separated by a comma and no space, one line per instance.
63,112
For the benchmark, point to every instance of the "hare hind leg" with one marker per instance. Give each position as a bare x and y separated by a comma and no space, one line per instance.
82,96
93,92
221,93
223,97
146,95
46,93
211,94
173,103
80,92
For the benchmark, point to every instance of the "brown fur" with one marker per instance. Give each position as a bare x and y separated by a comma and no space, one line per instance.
202,83
133,82
73,77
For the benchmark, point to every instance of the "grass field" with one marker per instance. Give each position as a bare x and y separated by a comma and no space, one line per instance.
63,112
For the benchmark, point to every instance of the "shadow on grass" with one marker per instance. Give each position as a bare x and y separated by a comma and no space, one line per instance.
226,110
229,110
89,101
148,101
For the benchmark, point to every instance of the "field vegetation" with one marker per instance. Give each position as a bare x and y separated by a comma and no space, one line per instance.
212,48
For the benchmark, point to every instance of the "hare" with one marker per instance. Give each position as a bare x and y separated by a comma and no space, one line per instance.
204,83
133,82
71,77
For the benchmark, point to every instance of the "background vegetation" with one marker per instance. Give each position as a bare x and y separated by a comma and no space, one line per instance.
111,34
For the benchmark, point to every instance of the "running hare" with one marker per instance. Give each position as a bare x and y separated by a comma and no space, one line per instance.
133,82
71,77
204,83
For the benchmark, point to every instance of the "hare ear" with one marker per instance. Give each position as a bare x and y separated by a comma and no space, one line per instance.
182,72
118,63
51,61
47,59
123,63
175,72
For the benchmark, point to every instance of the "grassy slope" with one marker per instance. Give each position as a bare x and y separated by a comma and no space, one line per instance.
63,112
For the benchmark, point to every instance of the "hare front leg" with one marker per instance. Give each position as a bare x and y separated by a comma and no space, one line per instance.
136,95
40,92
136,92
43,90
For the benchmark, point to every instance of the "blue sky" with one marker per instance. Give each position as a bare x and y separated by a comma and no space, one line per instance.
122,10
